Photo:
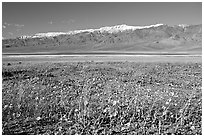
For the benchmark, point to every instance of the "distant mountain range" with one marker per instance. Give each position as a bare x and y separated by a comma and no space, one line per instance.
119,38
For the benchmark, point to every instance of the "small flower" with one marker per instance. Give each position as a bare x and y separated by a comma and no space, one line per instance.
76,110
60,128
38,118
138,110
164,113
61,118
192,127
86,102
167,103
106,109
10,106
5,106
115,102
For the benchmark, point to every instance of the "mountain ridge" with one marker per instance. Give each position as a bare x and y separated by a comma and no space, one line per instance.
109,29
155,38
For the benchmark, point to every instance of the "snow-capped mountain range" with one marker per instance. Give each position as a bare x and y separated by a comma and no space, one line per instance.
154,38
109,29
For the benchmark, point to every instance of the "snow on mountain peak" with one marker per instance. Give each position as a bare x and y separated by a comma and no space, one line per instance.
115,29
124,27
183,25
24,37
48,34
109,29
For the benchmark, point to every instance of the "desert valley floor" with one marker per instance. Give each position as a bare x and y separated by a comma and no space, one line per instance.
135,95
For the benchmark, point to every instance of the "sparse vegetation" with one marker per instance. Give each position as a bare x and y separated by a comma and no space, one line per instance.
102,98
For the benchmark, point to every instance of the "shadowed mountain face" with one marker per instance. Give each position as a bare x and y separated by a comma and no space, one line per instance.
162,38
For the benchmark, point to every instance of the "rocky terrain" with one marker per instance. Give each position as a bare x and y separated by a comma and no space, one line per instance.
120,38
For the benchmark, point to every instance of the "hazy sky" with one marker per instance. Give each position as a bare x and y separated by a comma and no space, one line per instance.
30,18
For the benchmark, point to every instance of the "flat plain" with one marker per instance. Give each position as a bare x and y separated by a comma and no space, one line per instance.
93,95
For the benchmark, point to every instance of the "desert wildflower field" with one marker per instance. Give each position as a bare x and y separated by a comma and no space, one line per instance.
102,98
